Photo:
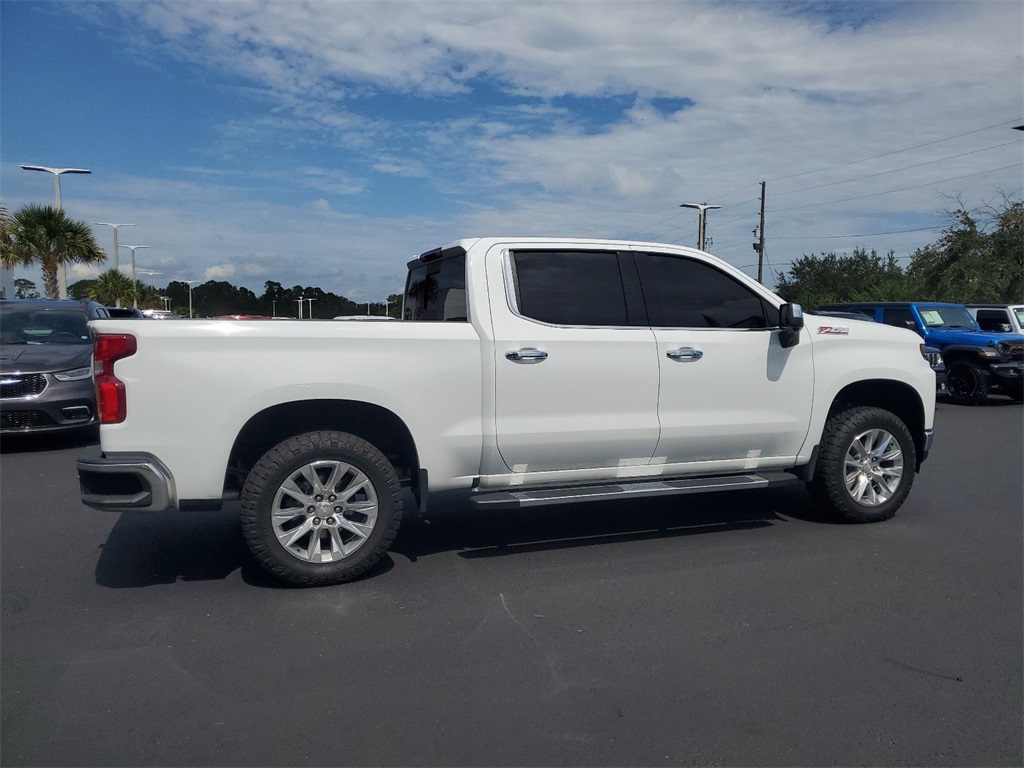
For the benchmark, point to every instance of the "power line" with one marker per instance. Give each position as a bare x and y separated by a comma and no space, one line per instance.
864,234
901,189
895,170
843,165
893,152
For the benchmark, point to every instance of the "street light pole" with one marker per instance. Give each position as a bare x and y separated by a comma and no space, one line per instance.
310,307
190,295
63,285
115,226
135,293
299,301
702,220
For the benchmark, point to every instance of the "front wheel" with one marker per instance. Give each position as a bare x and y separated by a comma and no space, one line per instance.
967,383
321,508
866,465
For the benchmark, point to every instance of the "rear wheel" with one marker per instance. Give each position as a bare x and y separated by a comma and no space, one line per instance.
321,508
866,465
967,383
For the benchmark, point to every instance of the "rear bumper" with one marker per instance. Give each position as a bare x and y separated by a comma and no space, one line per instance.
126,482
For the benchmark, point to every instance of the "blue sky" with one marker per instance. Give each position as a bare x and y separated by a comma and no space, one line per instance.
325,143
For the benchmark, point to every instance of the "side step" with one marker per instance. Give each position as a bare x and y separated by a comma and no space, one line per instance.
612,491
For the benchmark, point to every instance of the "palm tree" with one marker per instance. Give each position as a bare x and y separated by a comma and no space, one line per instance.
112,288
149,297
43,235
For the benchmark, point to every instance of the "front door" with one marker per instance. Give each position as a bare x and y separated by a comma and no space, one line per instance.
731,395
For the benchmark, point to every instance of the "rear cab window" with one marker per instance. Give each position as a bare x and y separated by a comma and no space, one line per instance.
435,289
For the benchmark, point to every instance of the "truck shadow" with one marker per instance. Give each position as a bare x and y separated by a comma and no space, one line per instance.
144,550
473,535
165,547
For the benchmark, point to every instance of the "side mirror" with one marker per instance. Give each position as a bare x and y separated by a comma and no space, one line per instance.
791,321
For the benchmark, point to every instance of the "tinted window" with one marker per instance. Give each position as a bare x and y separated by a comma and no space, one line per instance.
901,317
570,287
437,291
683,293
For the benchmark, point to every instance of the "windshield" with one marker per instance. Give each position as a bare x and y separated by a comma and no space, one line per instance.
44,327
947,317
1019,312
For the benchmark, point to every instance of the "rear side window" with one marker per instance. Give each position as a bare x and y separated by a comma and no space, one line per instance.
683,293
570,287
436,291
901,317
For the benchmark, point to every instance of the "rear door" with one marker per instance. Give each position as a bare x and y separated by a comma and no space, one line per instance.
576,368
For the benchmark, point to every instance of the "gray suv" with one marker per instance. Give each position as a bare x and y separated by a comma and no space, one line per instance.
46,372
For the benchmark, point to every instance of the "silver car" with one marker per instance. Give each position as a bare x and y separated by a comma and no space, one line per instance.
46,377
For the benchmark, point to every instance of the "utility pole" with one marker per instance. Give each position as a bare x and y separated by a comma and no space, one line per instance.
759,245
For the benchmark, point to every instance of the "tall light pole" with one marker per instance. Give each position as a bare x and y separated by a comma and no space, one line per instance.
151,273
702,220
135,293
300,300
190,294
310,307
114,226
57,172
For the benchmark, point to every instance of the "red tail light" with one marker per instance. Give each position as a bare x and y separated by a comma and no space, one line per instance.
110,395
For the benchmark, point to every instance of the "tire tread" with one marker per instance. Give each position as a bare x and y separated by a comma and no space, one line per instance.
261,477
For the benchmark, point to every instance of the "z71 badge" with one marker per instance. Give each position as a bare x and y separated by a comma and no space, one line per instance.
834,330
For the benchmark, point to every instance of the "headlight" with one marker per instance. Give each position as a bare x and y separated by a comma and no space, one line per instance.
75,374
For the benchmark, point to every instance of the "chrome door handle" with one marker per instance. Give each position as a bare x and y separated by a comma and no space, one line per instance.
684,354
526,355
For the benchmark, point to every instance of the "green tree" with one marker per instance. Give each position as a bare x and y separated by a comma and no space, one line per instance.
25,289
43,235
147,296
978,258
112,288
828,278
395,305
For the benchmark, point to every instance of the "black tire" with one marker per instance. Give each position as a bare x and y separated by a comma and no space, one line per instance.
860,476
967,383
321,508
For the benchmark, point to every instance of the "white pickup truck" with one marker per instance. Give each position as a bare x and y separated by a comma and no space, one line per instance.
525,372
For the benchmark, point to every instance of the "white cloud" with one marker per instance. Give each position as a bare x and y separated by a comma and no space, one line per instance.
775,93
219,272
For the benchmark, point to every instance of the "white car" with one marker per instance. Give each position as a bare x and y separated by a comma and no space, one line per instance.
999,318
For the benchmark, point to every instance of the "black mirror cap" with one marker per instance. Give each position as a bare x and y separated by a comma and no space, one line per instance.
791,321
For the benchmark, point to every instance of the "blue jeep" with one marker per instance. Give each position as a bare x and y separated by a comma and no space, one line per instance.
977,362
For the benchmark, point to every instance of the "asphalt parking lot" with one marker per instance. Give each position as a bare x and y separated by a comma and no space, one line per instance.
726,629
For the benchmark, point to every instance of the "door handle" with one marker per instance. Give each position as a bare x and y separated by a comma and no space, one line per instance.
526,355
684,354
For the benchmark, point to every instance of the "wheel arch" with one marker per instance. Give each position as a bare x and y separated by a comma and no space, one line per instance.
373,423
896,397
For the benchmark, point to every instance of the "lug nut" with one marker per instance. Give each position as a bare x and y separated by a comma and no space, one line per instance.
316,521
330,521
